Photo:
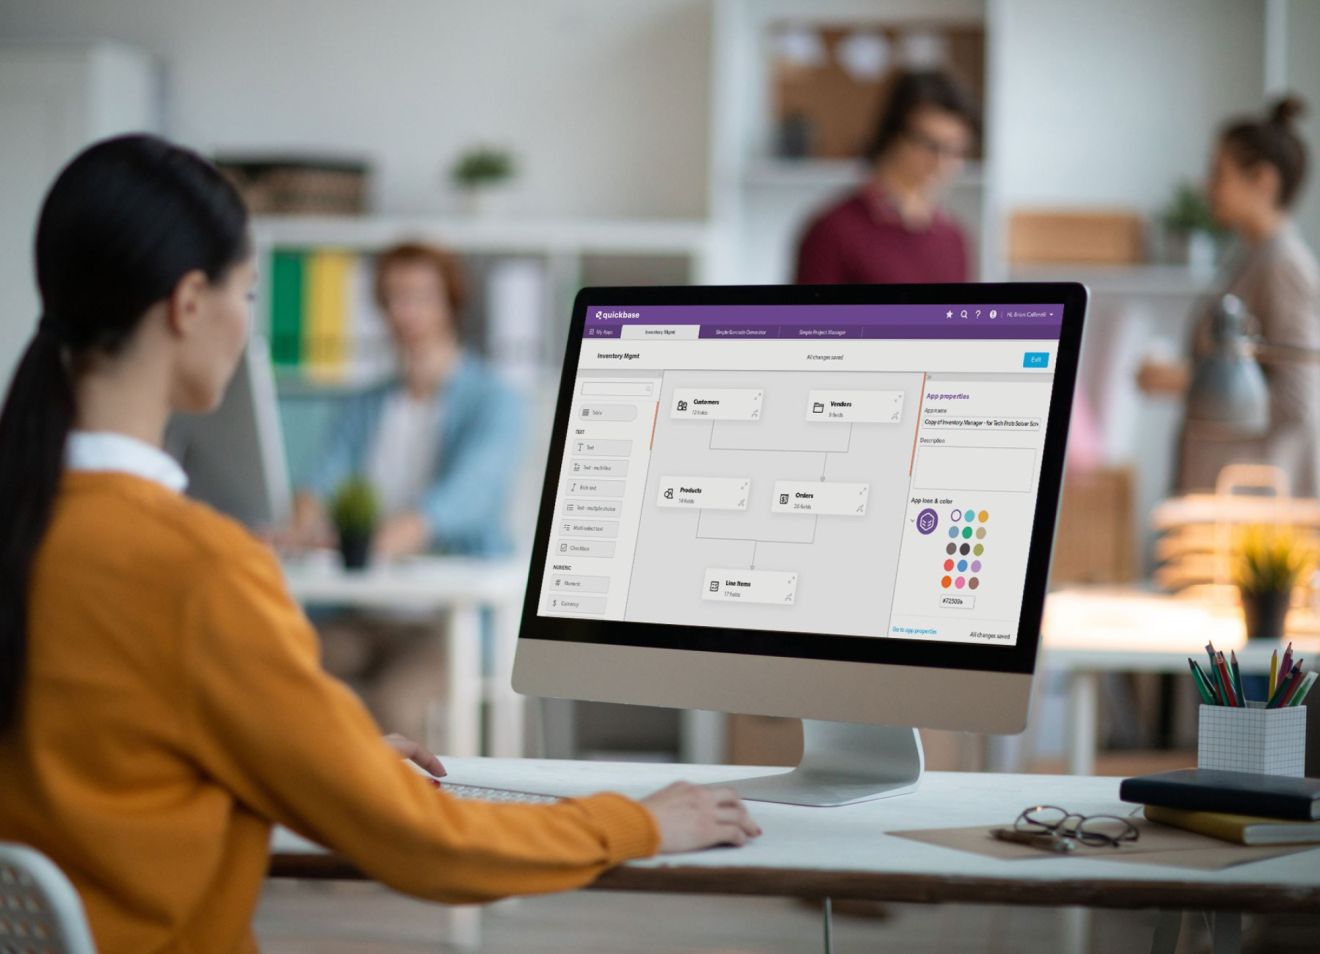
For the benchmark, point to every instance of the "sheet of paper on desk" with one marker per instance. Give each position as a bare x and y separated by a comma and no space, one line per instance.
1158,845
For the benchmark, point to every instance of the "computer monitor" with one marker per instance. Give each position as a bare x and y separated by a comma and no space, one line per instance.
835,503
234,456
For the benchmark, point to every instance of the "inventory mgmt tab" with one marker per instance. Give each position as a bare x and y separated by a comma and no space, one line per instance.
863,470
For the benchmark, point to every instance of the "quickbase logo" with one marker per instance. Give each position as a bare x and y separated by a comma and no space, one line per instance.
604,315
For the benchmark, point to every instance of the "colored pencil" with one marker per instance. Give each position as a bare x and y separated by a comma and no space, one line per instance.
1221,696
1274,672
1285,664
1294,684
1237,677
1227,680
1300,695
1202,687
1284,680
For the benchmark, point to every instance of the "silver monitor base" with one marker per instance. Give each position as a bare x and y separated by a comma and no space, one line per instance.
843,763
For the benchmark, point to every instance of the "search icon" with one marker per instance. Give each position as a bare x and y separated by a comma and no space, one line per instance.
964,313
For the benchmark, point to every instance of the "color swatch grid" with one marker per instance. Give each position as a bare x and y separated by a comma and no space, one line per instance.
966,536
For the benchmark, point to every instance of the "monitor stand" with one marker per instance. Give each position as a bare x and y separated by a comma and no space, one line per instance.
844,763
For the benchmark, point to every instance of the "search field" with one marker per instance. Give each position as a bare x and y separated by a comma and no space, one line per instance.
617,388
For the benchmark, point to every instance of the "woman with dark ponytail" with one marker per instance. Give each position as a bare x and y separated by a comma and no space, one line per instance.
161,697
1258,171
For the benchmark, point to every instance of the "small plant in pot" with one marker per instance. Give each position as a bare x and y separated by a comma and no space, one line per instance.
1192,234
1267,563
482,176
354,511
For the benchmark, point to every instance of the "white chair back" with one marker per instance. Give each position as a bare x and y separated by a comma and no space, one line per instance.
40,912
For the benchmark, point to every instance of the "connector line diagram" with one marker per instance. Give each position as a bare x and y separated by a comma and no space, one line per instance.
815,518
769,457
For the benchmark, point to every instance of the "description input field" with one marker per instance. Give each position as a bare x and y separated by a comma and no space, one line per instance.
974,468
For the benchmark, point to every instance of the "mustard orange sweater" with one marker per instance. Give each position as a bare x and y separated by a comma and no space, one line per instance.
175,708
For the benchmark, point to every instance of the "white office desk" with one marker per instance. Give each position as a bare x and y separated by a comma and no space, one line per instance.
1089,631
847,853
462,588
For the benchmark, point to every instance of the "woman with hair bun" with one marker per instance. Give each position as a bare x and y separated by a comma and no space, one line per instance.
1257,174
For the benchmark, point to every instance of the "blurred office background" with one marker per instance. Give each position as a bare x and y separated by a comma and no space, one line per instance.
679,141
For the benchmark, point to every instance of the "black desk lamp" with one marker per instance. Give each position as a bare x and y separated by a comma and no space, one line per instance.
1228,397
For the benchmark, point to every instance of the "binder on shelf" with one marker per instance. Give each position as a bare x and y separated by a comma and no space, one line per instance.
286,307
325,319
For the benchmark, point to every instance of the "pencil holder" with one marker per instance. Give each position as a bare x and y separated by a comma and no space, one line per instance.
1254,739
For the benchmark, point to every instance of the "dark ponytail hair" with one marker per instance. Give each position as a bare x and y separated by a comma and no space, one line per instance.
1274,141
123,223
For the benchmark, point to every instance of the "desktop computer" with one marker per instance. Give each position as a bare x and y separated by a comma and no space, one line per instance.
234,456
832,503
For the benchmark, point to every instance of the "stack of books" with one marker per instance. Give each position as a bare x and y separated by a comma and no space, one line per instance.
1241,807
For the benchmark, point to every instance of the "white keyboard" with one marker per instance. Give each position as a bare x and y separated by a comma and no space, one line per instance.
502,795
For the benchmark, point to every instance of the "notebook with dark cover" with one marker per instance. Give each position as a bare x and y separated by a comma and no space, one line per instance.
1240,793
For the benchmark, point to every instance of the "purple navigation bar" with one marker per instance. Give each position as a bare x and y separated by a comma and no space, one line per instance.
829,322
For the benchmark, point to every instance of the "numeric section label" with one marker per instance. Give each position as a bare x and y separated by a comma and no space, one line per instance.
775,587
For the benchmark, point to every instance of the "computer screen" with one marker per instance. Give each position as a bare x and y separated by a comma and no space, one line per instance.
234,455
833,480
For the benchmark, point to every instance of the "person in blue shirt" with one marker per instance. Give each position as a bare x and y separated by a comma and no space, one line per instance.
440,443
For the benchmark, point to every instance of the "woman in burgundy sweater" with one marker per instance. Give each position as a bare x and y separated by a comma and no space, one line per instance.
893,229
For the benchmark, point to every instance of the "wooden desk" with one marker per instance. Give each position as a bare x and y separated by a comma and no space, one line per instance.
462,588
1089,631
847,853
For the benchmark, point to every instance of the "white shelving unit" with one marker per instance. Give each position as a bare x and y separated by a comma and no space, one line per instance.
495,235
759,203
572,252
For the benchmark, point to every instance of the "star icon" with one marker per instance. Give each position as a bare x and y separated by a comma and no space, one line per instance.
948,314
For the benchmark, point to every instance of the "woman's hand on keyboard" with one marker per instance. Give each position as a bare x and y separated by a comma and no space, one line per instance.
408,749
692,817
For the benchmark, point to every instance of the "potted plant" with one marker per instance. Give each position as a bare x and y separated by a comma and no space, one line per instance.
1267,563
482,176
354,510
1190,229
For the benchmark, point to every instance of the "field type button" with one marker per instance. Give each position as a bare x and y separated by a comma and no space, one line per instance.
585,548
820,497
573,603
599,448
716,404
704,493
586,527
952,601
607,412
751,586
592,487
580,584
594,508
855,407
605,468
